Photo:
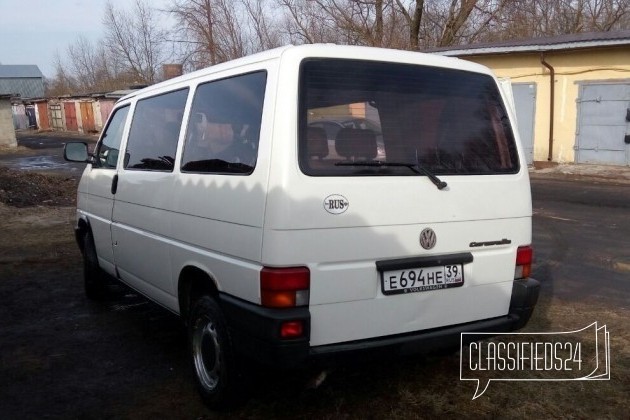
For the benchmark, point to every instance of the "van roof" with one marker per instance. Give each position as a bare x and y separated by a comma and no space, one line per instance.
324,50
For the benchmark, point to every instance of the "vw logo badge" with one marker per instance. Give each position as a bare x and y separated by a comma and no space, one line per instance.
427,238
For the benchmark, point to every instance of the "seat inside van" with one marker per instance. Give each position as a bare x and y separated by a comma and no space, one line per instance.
317,143
356,144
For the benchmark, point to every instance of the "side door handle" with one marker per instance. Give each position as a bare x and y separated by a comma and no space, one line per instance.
114,184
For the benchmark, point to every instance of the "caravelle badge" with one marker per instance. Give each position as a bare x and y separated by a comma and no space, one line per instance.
427,238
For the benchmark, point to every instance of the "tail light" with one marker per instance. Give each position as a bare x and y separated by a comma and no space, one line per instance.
284,287
292,329
524,257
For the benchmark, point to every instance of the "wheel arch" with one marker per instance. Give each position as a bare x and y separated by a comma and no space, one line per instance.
193,282
82,228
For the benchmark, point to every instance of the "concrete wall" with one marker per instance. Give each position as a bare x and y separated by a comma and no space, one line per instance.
7,132
571,67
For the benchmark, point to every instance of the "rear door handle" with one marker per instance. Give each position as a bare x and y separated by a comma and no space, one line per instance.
114,184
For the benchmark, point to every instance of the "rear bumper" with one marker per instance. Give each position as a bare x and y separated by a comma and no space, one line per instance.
524,297
255,332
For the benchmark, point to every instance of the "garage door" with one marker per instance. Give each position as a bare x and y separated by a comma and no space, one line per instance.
525,105
603,110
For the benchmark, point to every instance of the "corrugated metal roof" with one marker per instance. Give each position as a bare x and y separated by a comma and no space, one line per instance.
19,70
22,86
561,42
117,94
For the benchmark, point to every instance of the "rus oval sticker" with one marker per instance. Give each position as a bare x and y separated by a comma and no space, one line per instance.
336,204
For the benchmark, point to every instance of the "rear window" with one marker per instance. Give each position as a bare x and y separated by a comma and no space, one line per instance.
371,118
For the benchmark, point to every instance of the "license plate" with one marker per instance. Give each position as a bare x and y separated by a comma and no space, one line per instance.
422,279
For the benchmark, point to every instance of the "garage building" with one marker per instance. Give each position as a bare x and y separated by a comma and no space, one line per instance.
572,93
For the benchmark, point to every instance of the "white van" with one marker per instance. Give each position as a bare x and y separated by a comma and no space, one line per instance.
313,201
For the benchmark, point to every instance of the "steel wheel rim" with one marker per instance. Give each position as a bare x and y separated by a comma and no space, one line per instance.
206,354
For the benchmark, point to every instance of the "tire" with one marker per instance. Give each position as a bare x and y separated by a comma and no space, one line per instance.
217,374
94,279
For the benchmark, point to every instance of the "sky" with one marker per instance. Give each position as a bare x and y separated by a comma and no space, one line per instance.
31,31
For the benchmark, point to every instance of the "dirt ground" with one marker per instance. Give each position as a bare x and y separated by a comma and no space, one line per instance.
26,189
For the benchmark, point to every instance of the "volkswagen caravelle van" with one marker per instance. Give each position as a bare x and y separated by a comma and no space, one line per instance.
221,196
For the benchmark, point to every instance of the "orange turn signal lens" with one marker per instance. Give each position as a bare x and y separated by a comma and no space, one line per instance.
277,298
284,287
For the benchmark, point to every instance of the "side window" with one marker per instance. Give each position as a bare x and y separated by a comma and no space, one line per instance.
107,149
154,132
224,126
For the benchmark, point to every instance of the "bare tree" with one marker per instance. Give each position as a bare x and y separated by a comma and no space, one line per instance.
92,67
231,40
196,23
360,21
136,40
607,15
213,31
404,24
458,14
83,61
266,31
305,22
543,18
413,18
62,83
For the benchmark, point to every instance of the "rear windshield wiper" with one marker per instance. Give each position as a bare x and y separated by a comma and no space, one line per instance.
414,167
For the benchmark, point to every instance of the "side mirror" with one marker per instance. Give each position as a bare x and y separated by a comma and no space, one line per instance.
76,152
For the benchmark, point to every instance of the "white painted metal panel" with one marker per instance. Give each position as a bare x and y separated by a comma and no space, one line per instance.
525,104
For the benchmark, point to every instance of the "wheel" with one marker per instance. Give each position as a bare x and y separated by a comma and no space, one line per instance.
216,372
95,280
